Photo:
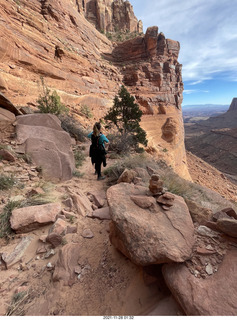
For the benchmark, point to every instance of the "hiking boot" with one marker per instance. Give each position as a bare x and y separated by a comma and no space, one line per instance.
101,178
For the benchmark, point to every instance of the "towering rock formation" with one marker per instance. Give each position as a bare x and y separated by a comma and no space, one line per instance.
233,106
151,70
112,15
53,39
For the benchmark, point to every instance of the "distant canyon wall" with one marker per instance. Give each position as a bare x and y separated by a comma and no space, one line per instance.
88,68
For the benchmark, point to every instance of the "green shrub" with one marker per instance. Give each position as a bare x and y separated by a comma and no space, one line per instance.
50,102
78,174
79,158
6,182
86,111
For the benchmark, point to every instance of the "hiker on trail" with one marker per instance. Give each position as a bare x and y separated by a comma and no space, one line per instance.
97,149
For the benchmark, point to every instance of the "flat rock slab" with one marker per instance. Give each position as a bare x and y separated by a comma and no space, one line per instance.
30,218
67,262
213,296
98,198
152,235
15,256
81,203
228,226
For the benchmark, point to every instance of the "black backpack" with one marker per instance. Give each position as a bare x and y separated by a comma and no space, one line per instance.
96,147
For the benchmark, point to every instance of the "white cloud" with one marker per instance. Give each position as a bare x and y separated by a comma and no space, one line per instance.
190,91
206,30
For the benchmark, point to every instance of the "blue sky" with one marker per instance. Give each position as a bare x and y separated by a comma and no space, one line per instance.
207,32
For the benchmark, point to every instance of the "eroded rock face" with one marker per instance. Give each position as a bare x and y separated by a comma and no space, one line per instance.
146,233
169,130
158,73
213,296
112,15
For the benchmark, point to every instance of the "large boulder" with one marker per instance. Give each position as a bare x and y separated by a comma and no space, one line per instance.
146,233
30,218
48,145
213,296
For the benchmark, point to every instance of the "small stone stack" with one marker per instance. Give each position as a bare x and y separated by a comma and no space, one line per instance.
156,185
166,200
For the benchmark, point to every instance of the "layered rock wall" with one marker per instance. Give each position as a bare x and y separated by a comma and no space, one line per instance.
151,71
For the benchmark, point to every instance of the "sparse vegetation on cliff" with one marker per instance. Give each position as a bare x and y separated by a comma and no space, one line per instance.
50,102
120,36
85,110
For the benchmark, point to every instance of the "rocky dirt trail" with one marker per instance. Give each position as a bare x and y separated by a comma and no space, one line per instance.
84,275
105,281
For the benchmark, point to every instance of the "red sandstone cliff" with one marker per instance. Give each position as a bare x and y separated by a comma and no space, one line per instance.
53,39
111,15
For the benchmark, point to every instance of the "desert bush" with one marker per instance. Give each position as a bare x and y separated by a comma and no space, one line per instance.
79,158
5,226
78,174
84,109
17,305
26,157
128,162
6,182
50,102
73,127
120,144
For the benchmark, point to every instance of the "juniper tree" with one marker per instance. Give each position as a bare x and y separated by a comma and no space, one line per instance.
126,115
